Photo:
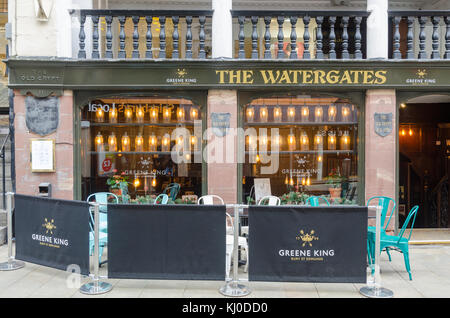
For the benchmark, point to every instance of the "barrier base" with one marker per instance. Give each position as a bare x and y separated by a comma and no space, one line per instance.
376,292
234,289
11,265
95,288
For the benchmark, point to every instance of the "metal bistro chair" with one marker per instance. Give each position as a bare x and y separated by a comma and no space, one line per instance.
315,200
172,190
162,198
384,202
209,200
272,200
398,242
102,198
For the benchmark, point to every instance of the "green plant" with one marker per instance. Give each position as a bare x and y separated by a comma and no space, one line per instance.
117,182
296,198
343,201
250,200
334,179
185,201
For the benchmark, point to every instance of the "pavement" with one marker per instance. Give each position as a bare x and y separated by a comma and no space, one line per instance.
429,263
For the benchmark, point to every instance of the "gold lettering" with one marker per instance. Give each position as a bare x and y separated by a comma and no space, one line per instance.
356,76
381,77
221,76
294,78
307,77
368,77
285,78
235,75
269,77
346,77
247,77
332,79
319,77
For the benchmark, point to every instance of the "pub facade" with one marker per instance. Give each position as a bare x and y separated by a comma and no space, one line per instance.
235,99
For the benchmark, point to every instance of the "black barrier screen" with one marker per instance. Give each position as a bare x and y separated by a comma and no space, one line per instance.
52,232
307,244
166,241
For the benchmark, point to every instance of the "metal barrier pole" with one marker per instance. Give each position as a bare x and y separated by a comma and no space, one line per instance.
233,288
11,264
376,291
96,286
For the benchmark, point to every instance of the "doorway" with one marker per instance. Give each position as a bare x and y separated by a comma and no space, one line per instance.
424,162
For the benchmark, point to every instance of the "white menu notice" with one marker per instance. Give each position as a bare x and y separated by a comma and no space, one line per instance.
42,155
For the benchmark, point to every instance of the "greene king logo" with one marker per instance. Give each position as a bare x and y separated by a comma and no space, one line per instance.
307,238
49,226
48,239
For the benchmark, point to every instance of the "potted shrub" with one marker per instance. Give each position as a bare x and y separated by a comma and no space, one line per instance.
334,181
116,183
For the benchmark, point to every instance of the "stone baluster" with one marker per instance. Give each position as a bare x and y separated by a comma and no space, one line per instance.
95,37
294,54
280,37
135,53
122,53
82,38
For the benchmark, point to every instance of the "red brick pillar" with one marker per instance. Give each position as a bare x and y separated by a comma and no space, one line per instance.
222,176
27,182
380,152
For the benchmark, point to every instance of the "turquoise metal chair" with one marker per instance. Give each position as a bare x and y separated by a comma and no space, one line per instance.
161,199
172,190
102,198
384,202
398,242
102,240
315,200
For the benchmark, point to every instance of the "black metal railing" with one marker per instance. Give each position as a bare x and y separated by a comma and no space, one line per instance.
334,35
410,36
3,156
117,36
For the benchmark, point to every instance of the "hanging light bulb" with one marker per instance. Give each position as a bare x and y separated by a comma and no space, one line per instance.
291,181
308,181
345,114
194,113
277,140
263,114
154,114
167,114
277,114
112,142
180,114
303,181
410,132
304,141
125,143
99,143
165,143
319,158
262,140
305,114
250,114
100,115
140,113
291,141
318,141
403,132
331,140
286,180
152,142
257,158
128,114
113,114
139,143
154,182
291,114
345,141
318,114
136,182
332,113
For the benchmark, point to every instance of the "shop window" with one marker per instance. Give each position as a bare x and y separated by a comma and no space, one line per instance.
150,143
296,147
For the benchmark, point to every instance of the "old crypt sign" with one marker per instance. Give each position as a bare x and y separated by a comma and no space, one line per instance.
42,114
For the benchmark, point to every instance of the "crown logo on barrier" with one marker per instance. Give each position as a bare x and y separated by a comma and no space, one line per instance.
307,238
49,226
181,72
421,73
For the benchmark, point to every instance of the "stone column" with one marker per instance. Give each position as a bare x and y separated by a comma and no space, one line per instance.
222,160
27,182
377,29
380,152
222,29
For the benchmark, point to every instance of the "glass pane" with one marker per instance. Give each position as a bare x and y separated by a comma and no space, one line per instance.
150,143
301,146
